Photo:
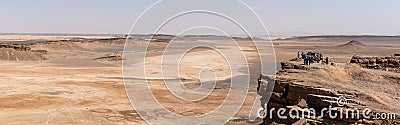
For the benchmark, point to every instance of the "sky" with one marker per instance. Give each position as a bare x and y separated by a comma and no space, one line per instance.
281,17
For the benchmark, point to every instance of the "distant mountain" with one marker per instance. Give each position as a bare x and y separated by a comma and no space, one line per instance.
352,45
193,37
343,38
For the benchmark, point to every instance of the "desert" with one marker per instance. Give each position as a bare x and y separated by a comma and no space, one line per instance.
78,79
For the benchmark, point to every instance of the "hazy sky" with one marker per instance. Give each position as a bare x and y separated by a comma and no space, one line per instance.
281,17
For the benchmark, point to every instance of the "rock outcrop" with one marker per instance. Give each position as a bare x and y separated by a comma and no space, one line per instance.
387,63
20,52
111,57
297,93
16,47
291,96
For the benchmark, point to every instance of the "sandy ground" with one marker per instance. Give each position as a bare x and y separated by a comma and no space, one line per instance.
72,88
46,94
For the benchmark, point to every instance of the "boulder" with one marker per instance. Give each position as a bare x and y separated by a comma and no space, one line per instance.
302,104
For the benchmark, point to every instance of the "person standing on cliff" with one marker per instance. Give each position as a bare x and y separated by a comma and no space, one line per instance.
307,61
298,55
327,60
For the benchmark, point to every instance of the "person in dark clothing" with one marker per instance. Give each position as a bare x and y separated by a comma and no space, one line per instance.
306,61
298,54
327,60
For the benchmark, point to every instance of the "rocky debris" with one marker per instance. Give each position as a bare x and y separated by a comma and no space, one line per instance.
21,47
112,57
386,63
296,65
295,93
40,51
20,52
302,104
35,50
18,47
296,59
9,54
291,96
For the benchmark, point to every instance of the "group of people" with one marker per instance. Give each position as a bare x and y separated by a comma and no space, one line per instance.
307,61
310,57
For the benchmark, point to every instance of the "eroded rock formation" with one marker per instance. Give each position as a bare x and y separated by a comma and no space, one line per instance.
298,89
20,52
387,63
